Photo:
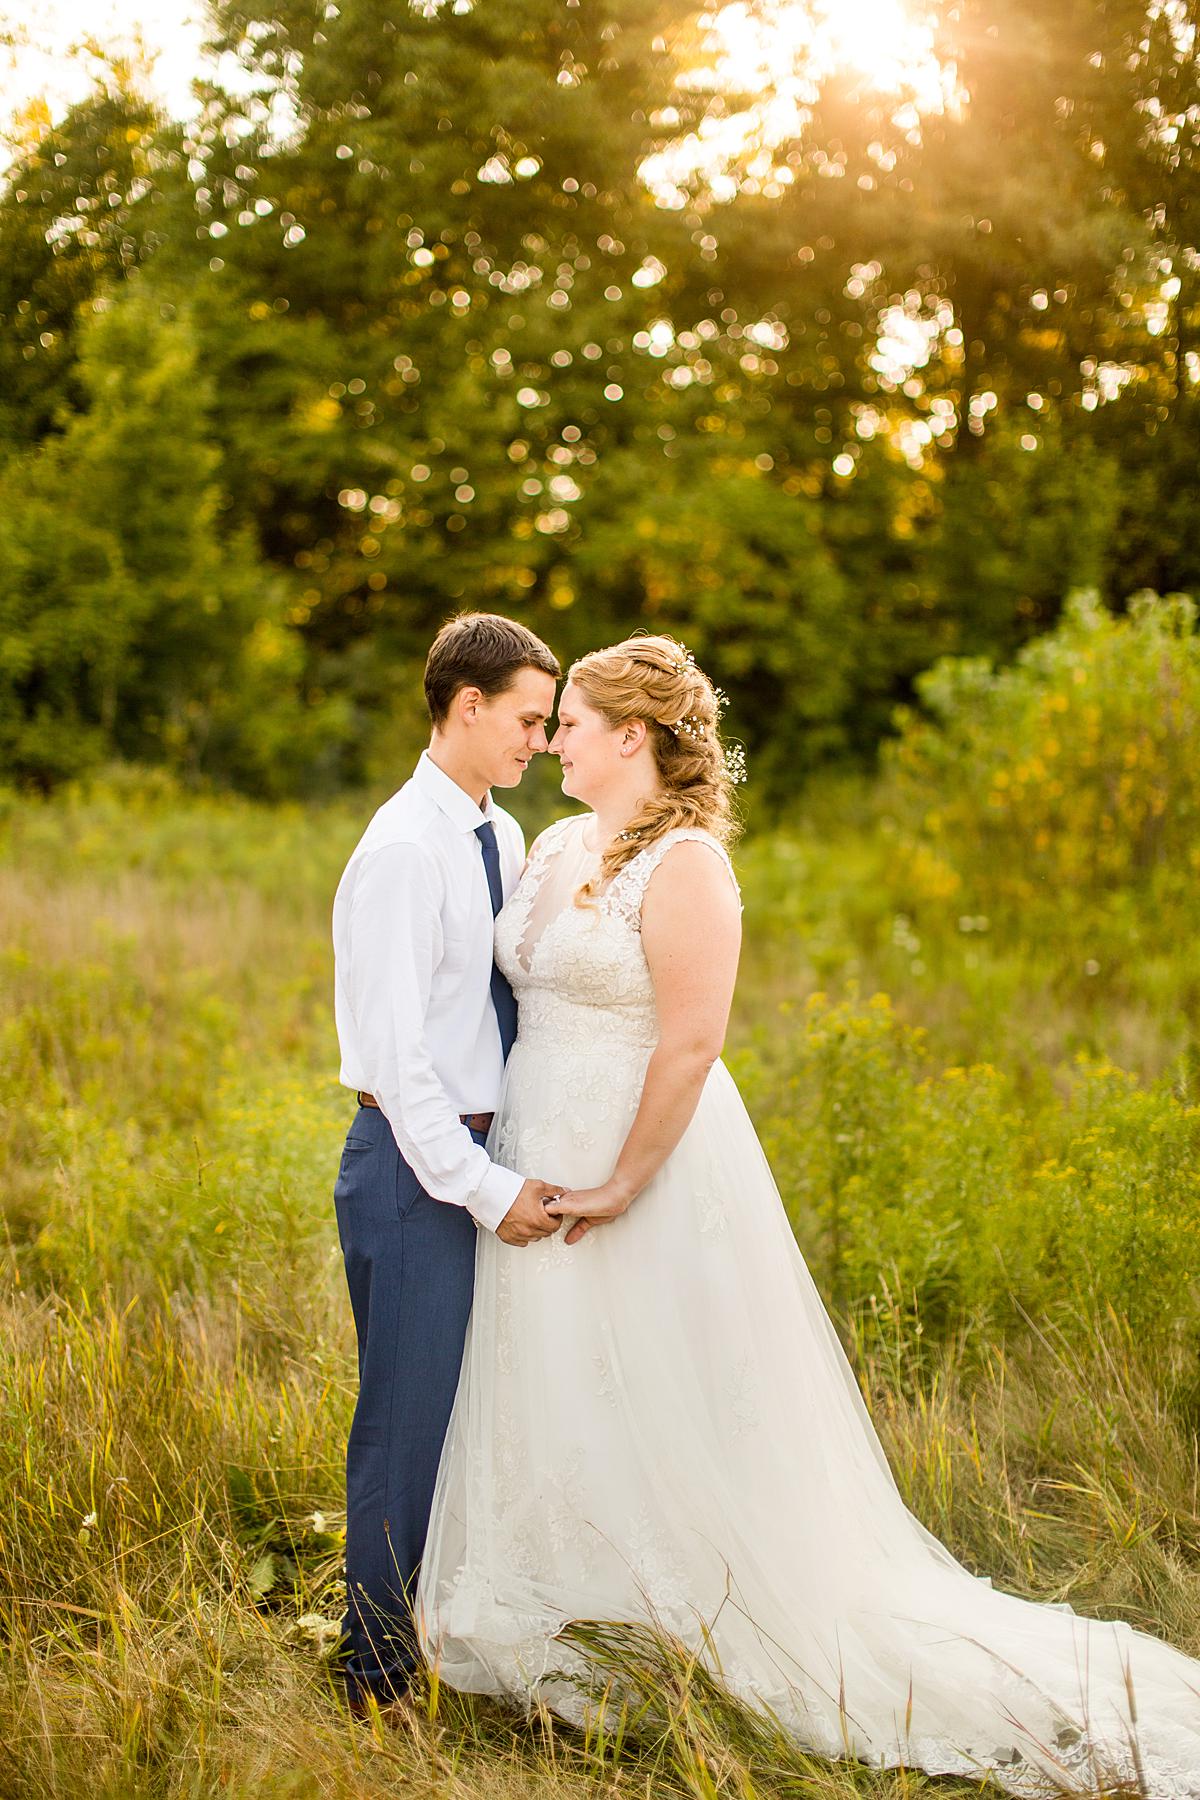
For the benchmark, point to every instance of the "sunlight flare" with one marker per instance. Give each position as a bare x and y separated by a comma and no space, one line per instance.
765,65
883,41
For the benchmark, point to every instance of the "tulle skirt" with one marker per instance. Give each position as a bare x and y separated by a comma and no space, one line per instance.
659,1425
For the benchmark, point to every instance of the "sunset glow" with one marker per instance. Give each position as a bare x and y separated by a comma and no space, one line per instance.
765,65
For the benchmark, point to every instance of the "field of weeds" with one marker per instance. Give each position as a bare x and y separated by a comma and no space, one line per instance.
982,1110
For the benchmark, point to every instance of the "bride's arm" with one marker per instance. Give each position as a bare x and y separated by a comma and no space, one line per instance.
691,934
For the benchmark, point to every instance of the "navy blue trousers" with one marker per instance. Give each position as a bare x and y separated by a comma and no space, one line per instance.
410,1268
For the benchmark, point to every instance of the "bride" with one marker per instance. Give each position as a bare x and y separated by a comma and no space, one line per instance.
655,1420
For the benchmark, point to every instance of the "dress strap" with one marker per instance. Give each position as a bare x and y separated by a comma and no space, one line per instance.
628,888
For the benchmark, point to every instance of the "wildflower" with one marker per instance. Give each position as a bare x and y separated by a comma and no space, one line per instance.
321,1631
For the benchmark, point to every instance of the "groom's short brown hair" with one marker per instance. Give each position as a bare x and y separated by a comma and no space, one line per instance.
481,650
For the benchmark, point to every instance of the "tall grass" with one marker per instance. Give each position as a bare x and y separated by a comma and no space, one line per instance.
998,1198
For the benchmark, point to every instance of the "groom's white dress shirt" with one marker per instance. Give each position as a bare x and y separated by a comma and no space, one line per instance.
412,940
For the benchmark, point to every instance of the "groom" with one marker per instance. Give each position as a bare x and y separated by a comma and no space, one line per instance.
425,1021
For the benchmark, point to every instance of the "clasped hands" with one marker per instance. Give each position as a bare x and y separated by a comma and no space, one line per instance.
541,1206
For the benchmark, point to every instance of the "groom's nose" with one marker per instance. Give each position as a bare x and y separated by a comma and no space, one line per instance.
538,739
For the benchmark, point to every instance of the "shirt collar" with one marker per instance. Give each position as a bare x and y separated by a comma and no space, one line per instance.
452,800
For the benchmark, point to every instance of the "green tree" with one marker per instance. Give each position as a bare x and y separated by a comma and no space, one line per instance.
64,628
458,349
76,209
156,636
723,556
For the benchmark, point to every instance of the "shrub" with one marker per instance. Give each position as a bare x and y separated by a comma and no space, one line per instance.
1069,780
951,1194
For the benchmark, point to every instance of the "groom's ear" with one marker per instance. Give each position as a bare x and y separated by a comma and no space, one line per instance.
466,703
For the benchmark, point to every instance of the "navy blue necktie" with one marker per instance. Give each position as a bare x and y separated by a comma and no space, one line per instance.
503,998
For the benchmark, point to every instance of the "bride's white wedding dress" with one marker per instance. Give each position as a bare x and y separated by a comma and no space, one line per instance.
662,1415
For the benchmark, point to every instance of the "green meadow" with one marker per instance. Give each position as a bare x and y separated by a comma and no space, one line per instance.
967,1028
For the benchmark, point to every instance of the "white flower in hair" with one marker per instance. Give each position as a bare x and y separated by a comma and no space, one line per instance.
735,763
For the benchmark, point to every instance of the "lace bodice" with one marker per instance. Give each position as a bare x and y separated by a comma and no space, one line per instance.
579,972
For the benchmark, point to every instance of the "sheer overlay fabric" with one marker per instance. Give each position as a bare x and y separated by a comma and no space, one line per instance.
660,1424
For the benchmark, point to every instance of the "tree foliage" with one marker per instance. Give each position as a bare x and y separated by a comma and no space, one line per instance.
133,623
1066,781
459,306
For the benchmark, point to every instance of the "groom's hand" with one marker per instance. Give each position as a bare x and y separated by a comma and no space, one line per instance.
527,1219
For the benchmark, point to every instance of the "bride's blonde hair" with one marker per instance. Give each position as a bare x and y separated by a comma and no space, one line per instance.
657,680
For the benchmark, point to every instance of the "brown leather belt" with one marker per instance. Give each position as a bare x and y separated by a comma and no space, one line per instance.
473,1121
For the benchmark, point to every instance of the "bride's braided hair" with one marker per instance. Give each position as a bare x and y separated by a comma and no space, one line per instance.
656,679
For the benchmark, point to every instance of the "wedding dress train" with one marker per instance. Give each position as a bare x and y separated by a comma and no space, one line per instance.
659,1423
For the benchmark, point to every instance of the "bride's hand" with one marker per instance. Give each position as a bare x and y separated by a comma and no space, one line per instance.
586,1207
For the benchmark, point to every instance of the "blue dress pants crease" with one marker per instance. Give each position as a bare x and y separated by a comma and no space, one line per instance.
410,1269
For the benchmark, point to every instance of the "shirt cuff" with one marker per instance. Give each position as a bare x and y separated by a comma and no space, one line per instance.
495,1195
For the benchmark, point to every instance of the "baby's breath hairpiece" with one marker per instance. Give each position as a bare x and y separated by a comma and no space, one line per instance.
735,763
690,726
685,661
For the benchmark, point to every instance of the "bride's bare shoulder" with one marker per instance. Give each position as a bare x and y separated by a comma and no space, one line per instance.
688,860
691,921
